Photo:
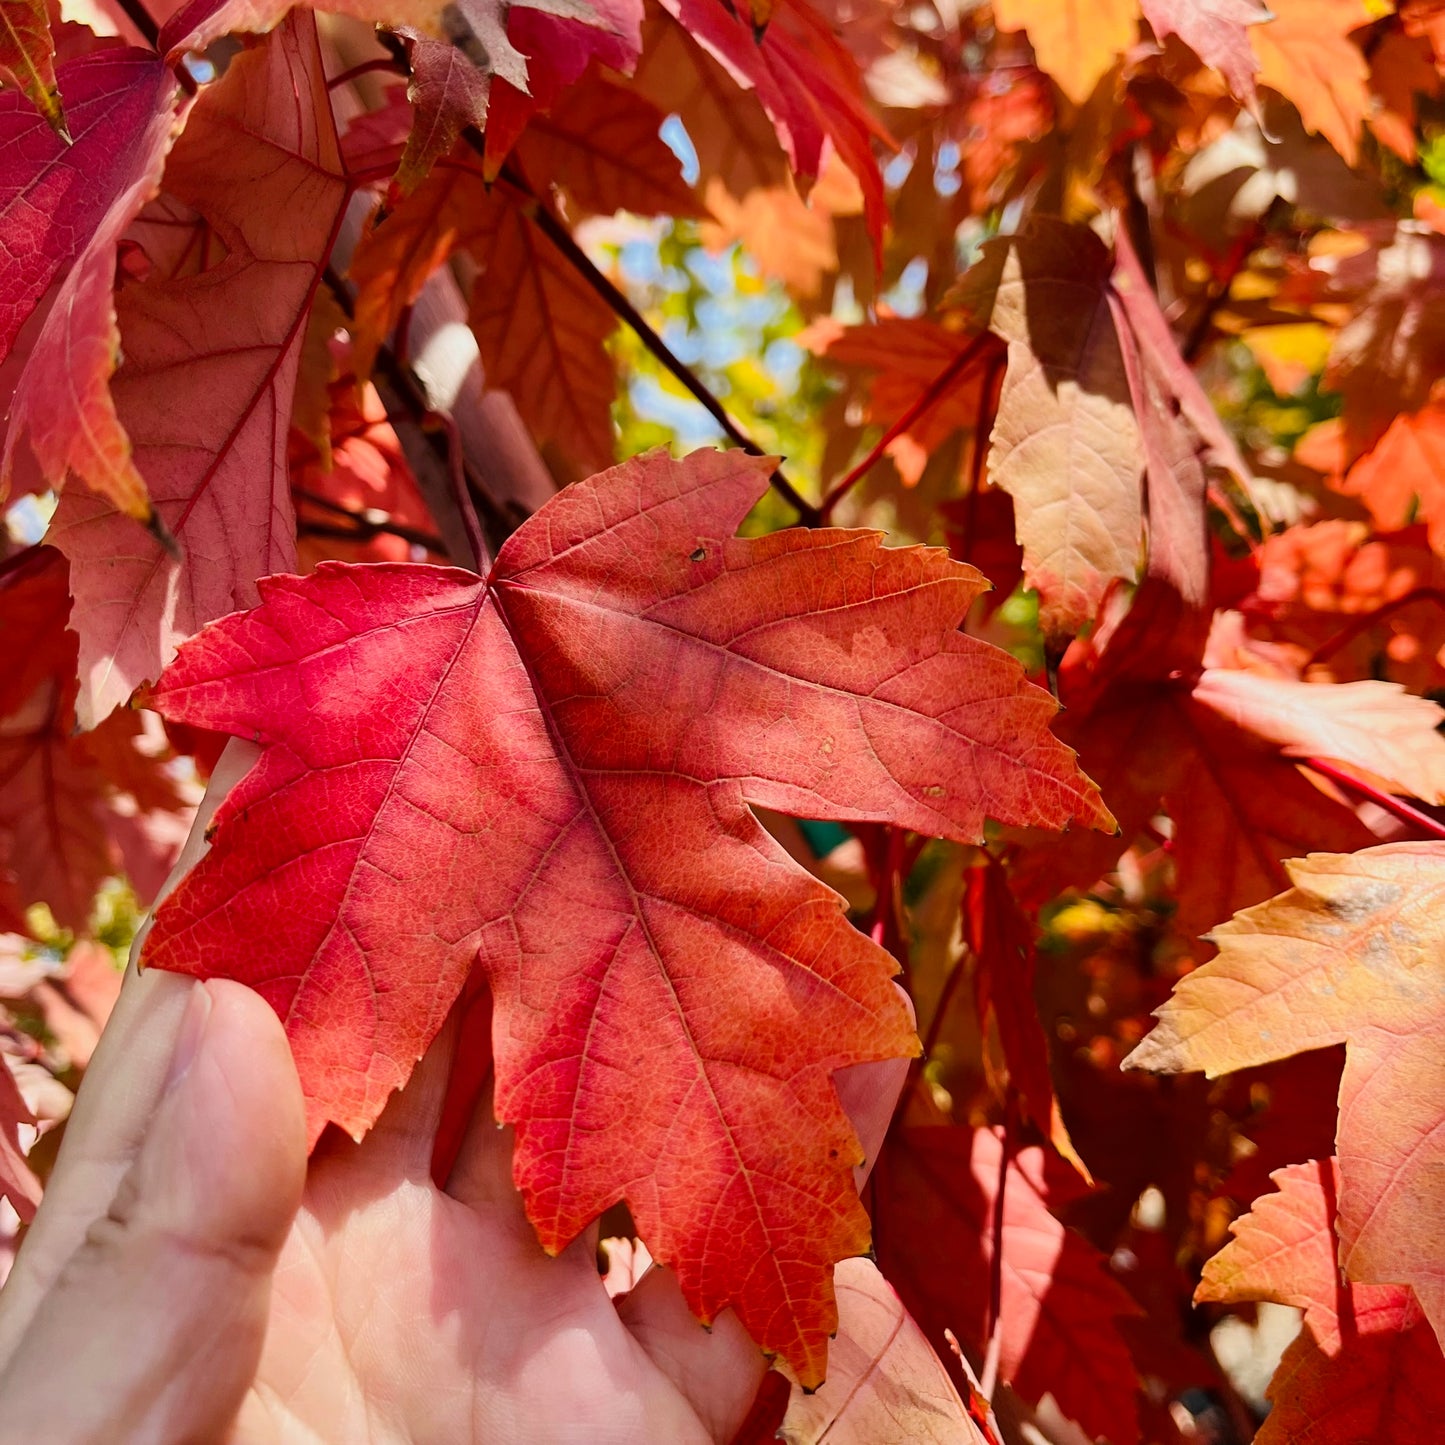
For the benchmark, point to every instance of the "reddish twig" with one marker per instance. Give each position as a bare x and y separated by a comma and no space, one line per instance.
933,393
1367,620
1388,801
366,67
369,176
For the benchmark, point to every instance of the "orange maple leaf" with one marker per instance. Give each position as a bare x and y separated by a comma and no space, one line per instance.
1366,1365
1350,955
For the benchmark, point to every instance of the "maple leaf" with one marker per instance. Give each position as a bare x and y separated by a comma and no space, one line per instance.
1402,477
1239,805
1065,442
367,475
600,144
448,93
542,333
906,356
1001,939
87,193
1319,584
787,237
1217,32
808,84
541,330
1306,54
1077,42
884,1380
1181,433
255,190
559,51
737,147
1366,1365
397,256
1347,956
934,1195
27,56
1101,425
1387,355
637,676
1375,727
1401,69
64,799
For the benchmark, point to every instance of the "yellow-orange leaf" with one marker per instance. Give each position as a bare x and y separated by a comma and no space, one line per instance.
1352,954
1075,41
1306,54
1365,1366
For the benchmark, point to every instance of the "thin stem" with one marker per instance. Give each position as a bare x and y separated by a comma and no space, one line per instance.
365,68
995,1264
1367,620
625,311
1217,292
927,399
408,395
940,1012
456,469
369,522
143,21
1388,801
889,872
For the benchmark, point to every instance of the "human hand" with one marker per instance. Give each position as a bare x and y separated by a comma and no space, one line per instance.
190,1277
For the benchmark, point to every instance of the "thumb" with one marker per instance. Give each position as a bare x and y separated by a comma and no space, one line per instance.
154,1328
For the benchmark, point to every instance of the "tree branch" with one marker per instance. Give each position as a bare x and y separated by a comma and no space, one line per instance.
625,311
366,523
1367,620
933,393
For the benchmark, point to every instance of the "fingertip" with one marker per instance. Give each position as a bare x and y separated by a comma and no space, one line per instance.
231,1130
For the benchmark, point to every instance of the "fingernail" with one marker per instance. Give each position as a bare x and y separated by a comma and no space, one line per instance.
188,1039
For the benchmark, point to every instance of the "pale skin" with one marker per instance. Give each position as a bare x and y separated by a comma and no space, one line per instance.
191,1276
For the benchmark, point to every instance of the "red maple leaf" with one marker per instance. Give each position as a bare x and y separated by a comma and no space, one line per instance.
1366,1365
53,195
934,1196
201,404
552,766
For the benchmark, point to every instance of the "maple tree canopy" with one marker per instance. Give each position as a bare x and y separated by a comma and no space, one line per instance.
751,540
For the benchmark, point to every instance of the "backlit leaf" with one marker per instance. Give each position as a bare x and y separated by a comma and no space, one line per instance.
535,766
1350,955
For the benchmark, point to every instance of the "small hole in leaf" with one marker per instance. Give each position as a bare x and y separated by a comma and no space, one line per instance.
698,555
